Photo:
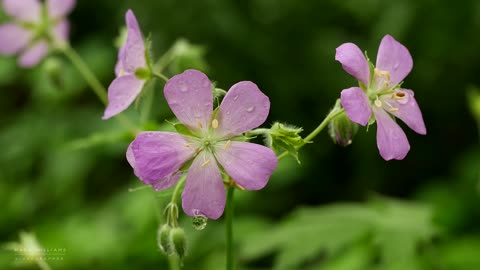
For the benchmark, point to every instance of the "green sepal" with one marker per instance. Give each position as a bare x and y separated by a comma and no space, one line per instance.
342,130
283,137
163,239
182,129
148,52
179,242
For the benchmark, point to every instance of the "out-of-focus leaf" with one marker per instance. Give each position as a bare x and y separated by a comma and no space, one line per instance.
321,234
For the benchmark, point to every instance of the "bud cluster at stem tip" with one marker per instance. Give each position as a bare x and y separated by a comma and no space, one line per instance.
171,239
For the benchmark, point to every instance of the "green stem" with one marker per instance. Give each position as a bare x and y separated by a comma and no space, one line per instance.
332,115
82,67
95,85
178,189
160,76
229,227
173,263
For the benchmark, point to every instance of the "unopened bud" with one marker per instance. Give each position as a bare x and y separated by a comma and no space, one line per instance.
179,241
163,239
342,130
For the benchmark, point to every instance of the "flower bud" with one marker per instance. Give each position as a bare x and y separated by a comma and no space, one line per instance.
342,130
179,241
163,239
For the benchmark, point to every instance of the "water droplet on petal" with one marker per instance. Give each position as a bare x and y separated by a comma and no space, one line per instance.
235,97
250,109
395,67
183,88
199,221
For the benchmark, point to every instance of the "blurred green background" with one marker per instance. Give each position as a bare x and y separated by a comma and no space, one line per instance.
64,176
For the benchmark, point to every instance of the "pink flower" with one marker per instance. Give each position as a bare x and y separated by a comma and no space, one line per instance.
32,33
131,59
157,157
381,94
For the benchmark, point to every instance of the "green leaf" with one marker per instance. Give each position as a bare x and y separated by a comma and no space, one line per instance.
314,237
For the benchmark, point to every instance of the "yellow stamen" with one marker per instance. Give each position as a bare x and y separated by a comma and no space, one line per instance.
199,124
214,123
205,163
378,103
383,73
394,109
227,145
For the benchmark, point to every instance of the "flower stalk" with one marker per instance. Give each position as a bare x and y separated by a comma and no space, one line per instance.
332,115
229,228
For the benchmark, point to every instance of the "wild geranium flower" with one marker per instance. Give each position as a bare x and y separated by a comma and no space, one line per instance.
380,93
157,157
131,70
35,28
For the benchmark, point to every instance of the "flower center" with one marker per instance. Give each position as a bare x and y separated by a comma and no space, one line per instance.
381,79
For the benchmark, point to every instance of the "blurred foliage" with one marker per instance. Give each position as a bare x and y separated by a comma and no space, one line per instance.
64,177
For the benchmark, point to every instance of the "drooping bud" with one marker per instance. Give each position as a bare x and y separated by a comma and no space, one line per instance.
179,241
342,130
163,239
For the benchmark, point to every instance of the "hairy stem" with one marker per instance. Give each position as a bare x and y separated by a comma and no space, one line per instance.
332,115
229,227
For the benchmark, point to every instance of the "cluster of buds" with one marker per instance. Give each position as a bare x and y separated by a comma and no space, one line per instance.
171,239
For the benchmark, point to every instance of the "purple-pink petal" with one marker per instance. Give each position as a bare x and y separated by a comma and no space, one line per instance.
156,157
391,140
13,38
59,8
243,108
61,30
134,54
394,58
353,62
34,54
204,193
121,93
356,105
403,105
190,97
23,10
119,69
249,164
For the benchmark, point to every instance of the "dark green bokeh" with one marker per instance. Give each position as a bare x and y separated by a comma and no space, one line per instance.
72,192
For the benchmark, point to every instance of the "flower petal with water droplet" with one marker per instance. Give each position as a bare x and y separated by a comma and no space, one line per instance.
204,193
244,107
190,97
